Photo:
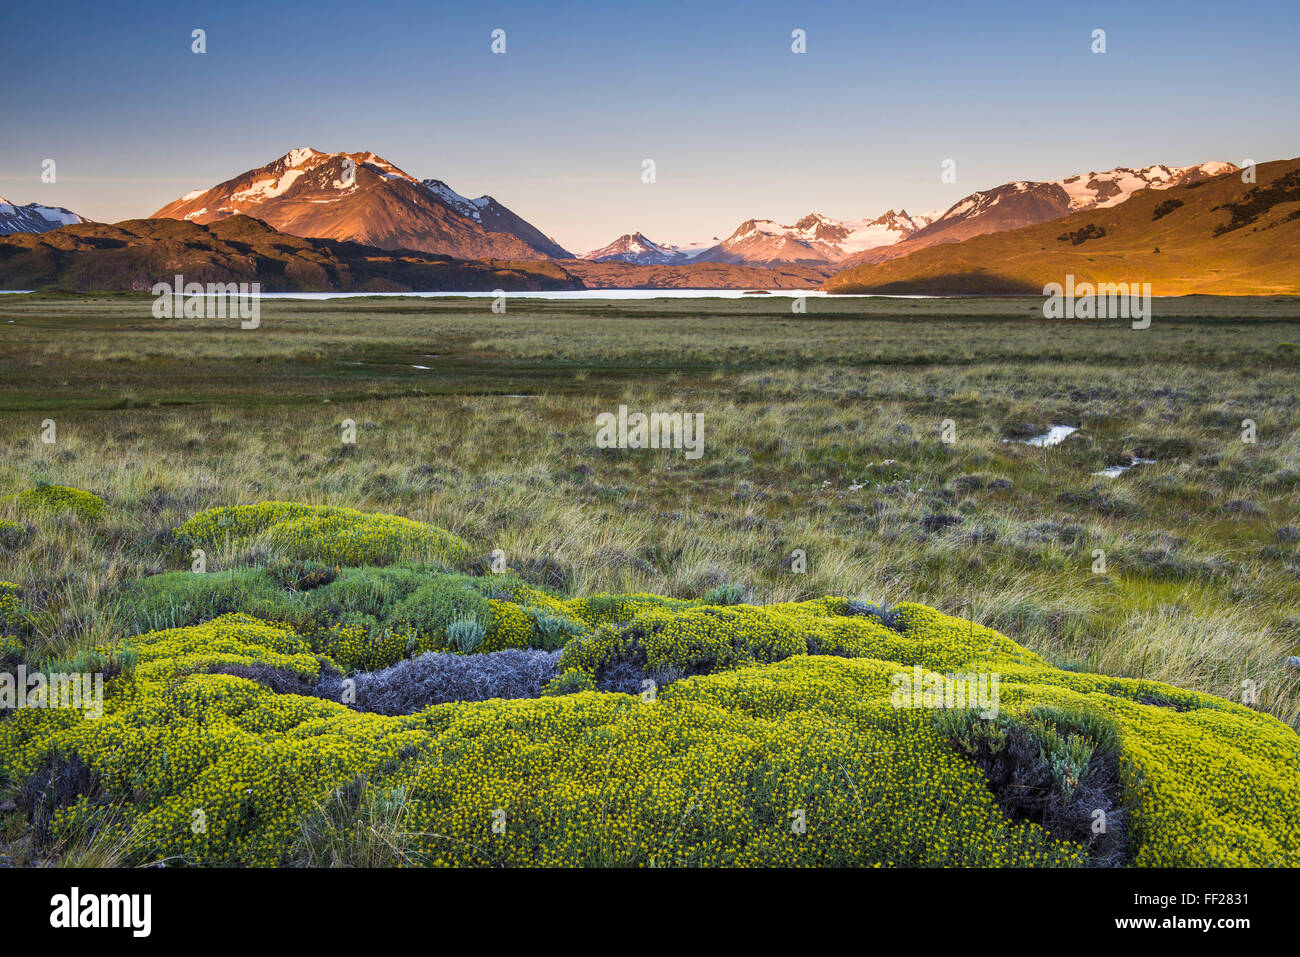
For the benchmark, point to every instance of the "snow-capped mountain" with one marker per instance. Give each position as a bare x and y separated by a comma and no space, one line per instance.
819,240
34,218
815,239
1099,190
636,248
1185,239
364,198
1024,203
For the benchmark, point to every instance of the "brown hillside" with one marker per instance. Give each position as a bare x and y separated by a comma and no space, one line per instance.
134,254
1219,236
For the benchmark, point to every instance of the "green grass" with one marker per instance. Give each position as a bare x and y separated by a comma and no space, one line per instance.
163,419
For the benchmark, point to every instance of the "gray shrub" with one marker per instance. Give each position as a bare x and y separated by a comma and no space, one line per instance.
439,677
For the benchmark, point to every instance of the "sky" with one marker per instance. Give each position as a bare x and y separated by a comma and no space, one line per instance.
558,127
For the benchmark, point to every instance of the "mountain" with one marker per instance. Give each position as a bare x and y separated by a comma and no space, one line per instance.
635,248
135,254
1209,235
34,218
1018,204
813,240
363,198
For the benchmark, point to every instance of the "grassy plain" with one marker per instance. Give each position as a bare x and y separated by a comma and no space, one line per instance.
822,432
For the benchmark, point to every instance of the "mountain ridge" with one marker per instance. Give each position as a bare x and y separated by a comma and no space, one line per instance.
1216,235
1027,202
362,197
34,217
134,254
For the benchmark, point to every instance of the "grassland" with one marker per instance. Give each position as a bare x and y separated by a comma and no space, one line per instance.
163,418
822,433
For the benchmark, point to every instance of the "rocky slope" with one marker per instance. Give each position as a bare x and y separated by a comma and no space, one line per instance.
363,198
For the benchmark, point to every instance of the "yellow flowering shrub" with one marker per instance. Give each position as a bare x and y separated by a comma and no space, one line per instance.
12,623
10,605
327,533
63,499
598,609
13,534
11,650
804,760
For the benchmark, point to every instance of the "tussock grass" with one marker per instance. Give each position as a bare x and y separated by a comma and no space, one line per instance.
821,433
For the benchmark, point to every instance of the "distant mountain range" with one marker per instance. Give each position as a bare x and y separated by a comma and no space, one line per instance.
1022,203
635,248
405,229
1212,235
33,218
135,254
363,198
819,240
813,240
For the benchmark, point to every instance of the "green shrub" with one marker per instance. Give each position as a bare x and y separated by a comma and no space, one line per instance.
569,682
13,616
329,534
11,651
552,632
432,608
299,575
728,593
375,592
465,635
177,599
62,499
14,534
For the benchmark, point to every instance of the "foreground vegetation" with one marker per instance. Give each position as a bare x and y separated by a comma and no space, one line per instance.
772,735
822,433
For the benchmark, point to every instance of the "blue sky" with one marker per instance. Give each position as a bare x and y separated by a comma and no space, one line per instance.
557,128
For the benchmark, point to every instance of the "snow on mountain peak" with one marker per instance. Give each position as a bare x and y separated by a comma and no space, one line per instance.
34,218
1112,187
296,157
636,248
473,208
814,238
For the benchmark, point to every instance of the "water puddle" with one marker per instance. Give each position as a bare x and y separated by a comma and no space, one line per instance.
1054,435
1115,471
